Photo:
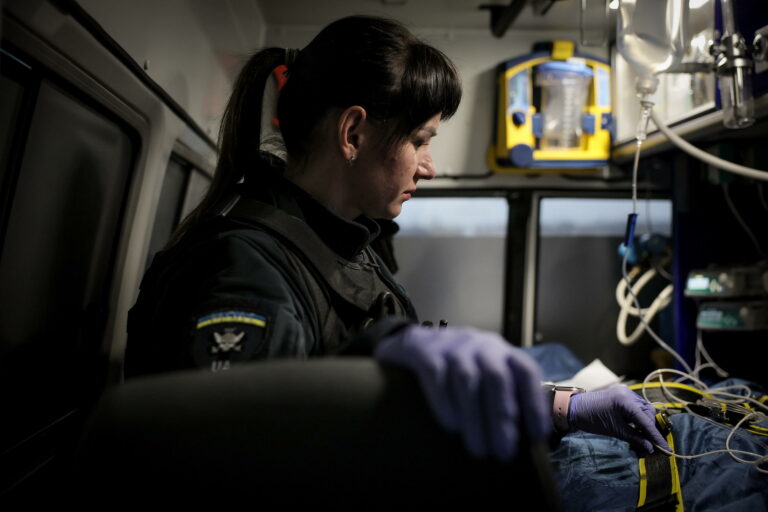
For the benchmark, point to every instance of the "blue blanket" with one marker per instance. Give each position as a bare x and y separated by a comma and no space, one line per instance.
598,473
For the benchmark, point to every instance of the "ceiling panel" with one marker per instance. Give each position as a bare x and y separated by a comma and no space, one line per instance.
443,14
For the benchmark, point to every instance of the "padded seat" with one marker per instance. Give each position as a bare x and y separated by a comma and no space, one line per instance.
343,432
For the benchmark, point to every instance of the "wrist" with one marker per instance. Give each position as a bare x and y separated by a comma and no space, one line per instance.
561,402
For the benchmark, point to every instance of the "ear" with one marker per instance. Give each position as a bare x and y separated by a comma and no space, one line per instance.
350,131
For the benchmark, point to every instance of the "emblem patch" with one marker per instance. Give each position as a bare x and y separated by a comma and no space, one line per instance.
227,341
226,337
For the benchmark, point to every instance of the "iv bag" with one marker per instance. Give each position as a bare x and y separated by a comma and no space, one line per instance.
649,43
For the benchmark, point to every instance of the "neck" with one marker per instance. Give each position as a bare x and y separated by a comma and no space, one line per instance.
324,181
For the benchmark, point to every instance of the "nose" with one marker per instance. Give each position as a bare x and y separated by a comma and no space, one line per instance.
426,169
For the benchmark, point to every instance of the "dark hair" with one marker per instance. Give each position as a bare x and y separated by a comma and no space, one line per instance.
372,62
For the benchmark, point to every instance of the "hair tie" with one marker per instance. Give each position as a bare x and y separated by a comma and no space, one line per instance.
270,138
291,54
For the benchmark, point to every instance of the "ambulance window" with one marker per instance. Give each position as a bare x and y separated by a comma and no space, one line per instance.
168,210
11,94
183,188
16,95
451,257
578,267
196,189
57,258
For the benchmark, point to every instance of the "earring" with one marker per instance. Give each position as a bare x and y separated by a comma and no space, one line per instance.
351,160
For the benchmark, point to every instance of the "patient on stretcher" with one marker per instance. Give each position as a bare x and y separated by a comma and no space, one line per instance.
602,473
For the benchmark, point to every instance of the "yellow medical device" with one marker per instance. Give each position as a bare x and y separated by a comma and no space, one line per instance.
554,112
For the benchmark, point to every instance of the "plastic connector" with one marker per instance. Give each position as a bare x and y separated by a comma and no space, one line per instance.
629,233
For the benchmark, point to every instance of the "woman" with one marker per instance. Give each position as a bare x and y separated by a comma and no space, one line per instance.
276,260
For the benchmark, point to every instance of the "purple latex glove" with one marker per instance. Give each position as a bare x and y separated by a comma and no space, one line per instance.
612,412
476,383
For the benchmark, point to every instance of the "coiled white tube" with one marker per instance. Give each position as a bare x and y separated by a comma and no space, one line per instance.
661,301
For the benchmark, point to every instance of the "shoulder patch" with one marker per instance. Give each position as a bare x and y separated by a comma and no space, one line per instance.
223,338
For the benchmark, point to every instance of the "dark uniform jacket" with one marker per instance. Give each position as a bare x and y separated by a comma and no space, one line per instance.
278,276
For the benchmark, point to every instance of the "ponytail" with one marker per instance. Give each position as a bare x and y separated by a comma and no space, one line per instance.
239,137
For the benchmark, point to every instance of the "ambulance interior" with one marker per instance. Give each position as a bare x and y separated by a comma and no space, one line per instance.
599,202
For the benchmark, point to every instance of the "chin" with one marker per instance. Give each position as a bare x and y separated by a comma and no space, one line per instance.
388,212
393,212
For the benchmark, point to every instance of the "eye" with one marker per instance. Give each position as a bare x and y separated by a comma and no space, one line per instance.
420,142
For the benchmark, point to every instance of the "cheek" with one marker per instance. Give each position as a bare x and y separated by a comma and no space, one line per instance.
407,163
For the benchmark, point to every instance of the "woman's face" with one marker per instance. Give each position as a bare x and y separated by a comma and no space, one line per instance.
387,181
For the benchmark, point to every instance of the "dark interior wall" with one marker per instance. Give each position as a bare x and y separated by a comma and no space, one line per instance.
710,232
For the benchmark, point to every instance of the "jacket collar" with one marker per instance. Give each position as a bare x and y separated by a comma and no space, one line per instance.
344,237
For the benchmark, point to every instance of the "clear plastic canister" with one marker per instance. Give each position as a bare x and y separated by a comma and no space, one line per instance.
564,91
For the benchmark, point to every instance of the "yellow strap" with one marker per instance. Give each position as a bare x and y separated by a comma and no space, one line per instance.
675,486
643,482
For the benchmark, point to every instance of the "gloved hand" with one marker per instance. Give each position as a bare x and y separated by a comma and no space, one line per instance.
611,411
476,383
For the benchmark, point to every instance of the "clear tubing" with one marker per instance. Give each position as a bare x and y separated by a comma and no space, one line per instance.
646,108
642,128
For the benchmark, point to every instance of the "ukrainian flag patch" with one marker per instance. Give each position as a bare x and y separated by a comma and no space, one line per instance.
231,316
225,337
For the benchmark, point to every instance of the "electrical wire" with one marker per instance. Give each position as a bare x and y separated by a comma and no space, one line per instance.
662,272
740,433
759,459
705,390
700,350
740,219
660,372
723,396
734,405
761,195
702,387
